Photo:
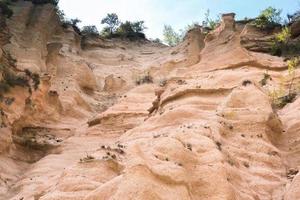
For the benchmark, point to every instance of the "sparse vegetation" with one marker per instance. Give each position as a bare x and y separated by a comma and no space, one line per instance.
170,36
117,29
144,79
131,30
268,18
90,30
5,10
112,21
35,78
282,44
87,158
246,82
39,2
219,145
73,23
11,79
281,96
284,36
210,23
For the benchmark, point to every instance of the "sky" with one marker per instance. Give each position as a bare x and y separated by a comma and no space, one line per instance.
177,13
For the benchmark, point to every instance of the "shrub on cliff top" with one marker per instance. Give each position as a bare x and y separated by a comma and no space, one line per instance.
90,30
170,36
4,9
268,18
112,22
39,2
283,45
116,28
131,30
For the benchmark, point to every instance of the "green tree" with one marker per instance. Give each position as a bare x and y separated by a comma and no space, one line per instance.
131,29
75,21
112,21
170,36
90,30
268,18
138,27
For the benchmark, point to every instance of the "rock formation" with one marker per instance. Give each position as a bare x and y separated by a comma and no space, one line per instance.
126,120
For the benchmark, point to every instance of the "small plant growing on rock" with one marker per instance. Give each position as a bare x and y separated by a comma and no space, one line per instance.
282,43
144,79
246,82
266,77
87,158
35,78
281,97
219,145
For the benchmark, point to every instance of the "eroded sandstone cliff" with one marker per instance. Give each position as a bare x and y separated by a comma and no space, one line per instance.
201,127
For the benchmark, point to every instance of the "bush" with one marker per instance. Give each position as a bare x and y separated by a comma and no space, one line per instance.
157,40
112,21
90,30
131,30
144,79
115,28
170,36
268,18
72,22
284,36
5,10
282,44
210,23
40,2
281,97
14,80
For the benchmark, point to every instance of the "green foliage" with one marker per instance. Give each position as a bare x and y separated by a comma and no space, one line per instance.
282,44
90,30
39,2
170,36
210,23
5,10
281,97
115,28
70,22
284,36
112,21
268,18
131,29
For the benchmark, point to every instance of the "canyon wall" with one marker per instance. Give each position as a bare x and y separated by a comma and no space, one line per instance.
120,119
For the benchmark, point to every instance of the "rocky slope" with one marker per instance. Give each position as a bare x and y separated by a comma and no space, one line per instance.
203,128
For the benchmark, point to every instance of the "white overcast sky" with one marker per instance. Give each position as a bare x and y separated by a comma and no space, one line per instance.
177,13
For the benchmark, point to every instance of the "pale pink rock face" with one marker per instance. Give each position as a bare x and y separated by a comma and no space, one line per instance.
203,128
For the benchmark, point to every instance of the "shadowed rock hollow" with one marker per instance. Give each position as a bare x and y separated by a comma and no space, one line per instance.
203,128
